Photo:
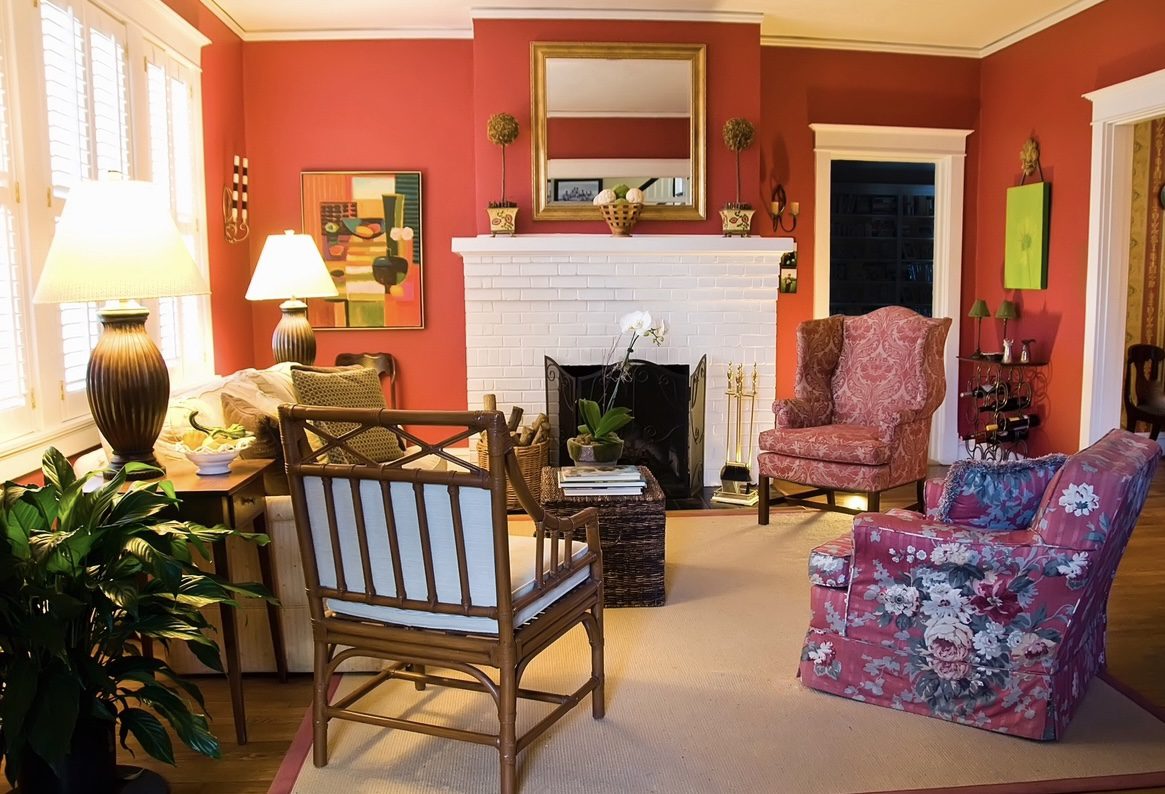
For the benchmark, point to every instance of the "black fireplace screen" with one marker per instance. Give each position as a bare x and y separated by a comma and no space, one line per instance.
667,433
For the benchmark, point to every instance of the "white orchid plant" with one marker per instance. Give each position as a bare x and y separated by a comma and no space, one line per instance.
602,423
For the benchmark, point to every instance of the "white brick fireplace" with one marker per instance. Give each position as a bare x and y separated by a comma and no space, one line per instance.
561,296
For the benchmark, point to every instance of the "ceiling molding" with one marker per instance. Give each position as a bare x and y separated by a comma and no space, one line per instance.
872,46
622,14
358,34
1037,26
225,18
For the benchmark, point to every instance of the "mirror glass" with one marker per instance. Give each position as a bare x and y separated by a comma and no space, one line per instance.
619,114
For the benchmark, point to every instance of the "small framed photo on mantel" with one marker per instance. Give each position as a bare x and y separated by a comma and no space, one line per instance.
577,191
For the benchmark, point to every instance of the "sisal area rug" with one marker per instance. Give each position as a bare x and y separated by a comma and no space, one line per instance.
701,697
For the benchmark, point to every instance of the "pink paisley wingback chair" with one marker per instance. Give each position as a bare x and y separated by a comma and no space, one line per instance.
860,420
1000,629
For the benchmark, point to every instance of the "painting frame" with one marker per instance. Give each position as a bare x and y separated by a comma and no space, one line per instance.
586,190
369,227
1025,249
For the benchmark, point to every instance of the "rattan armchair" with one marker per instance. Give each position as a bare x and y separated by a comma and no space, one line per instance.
417,567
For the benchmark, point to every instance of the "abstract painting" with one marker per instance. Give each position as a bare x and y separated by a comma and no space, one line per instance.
1025,250
367,225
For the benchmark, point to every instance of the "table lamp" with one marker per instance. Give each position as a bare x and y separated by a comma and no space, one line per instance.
1007,311
117,242
290,268
979,310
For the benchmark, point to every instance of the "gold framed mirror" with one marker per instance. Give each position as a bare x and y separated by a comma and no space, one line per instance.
610,114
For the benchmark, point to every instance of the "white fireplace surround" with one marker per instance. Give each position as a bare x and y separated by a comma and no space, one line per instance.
561,295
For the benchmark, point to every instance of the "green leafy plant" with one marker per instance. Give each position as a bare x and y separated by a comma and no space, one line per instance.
502,130
87,572
601,426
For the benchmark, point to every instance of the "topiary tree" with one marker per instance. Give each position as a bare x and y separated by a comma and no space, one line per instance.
739,134
502,129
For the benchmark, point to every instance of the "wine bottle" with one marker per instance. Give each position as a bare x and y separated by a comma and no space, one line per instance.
985,390
1017,403
1022,422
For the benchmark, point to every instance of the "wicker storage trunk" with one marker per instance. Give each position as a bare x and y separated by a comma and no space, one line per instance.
631,533
531,460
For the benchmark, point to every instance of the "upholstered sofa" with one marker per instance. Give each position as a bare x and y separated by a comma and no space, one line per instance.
1000,629
251,397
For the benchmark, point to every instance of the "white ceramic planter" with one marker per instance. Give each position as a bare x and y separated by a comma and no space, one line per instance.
736,222
502,220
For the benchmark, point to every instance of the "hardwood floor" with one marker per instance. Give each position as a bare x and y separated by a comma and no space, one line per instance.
1136,642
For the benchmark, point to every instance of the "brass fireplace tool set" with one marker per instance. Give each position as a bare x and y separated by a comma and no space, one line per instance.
736,485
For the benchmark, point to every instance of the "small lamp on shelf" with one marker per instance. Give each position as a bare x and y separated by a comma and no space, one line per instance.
290,268
1007,311
117,242
978,311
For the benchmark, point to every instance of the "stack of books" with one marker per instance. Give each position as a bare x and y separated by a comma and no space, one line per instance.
600,480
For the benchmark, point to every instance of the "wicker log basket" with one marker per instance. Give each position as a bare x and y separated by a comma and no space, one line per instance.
531,460
621,216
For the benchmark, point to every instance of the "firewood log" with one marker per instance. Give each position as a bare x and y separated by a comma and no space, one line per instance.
515,418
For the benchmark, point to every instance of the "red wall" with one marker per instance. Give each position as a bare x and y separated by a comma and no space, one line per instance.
363,105
501,52
1034,87
800,87
223,137
619,137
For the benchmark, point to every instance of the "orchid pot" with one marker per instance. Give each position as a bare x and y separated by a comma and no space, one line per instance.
736,222
502,220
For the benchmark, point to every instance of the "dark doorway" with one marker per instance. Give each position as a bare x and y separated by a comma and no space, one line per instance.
881,236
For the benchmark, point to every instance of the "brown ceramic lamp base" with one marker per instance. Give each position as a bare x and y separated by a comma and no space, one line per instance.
128,387
294,339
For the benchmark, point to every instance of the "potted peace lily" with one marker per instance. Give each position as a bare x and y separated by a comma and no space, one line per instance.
502,129
598,440
87,574
736,217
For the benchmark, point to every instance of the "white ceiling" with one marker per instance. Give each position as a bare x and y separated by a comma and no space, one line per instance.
957,27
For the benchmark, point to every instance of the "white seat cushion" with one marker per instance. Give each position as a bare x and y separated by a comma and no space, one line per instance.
522,553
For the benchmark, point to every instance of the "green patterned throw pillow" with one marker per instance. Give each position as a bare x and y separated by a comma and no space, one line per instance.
347,387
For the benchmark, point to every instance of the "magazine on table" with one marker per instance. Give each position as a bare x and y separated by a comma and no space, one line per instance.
570,475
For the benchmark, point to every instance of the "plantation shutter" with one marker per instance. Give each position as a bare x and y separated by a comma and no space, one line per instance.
87,101
180,320
15,389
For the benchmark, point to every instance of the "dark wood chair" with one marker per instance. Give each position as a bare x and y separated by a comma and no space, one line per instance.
418,568
383,363
1144,392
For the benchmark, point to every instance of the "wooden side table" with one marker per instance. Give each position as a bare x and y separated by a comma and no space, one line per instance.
631,533
237,500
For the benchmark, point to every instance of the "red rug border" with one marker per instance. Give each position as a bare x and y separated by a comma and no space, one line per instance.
297,752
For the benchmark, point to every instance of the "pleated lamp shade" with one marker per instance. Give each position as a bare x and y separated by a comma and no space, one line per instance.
117,240
1007,311
979,309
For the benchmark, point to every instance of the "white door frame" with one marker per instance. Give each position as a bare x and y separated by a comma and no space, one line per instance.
946,149
1115,110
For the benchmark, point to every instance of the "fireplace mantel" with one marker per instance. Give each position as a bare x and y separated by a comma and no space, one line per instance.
561,295
639,244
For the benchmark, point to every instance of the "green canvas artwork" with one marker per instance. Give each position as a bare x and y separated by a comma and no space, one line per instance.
1025,252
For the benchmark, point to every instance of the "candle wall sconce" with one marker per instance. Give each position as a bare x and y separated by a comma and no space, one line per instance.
235,203
778,204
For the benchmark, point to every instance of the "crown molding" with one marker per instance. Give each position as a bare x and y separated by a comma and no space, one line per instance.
225,18
622,14
358,34
1037,26
903,48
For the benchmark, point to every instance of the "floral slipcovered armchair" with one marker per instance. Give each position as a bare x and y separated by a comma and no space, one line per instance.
998,626
865,390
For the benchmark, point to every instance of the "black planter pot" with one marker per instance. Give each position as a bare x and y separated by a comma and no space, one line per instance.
89,768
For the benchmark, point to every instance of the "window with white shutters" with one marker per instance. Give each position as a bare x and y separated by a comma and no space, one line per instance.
87,104
15,388
180,321
89,87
